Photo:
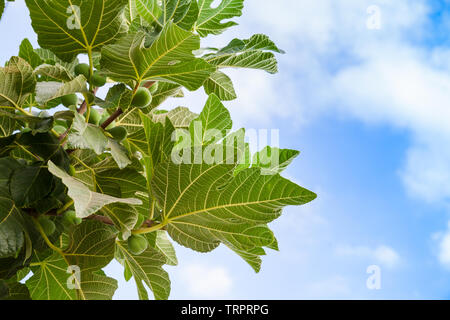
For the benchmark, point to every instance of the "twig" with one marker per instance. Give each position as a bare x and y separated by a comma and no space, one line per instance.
103,219
111,118
80,110
83,106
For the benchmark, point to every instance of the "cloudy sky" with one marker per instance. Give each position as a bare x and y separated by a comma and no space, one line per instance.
364,93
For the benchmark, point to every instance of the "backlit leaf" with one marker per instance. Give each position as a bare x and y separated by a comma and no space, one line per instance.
70,27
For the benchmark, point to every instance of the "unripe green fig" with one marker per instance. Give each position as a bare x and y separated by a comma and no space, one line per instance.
98,80
105,117
47,225
69,100
77,221
137,244
59,129
69,215
82,69
70,218
94,117
142,98
72,170
118,133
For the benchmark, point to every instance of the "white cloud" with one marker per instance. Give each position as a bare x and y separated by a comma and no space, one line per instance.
205,281
387,256
443,247
258,102
335,287
383,255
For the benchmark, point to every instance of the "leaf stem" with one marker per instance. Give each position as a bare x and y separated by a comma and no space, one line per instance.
88,112
150,229
65,208
91,66
84,105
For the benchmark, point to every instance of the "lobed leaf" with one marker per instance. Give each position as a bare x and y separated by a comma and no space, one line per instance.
169,58
253,53
17,82
146,268
210,19
71,27
220,85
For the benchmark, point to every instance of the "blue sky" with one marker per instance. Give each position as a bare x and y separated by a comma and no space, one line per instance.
369,111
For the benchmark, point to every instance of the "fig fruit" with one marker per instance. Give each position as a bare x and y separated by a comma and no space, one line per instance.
142,98
118,133
97,80
82,69
95,117
69,100
47,225
137,244
71,218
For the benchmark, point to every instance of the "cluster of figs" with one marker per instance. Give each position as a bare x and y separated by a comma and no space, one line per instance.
137,243
141,99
